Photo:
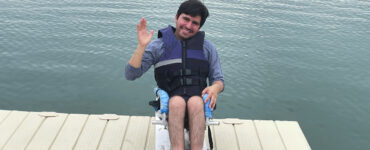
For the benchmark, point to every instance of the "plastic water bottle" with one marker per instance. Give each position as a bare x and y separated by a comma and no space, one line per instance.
164,98
207,109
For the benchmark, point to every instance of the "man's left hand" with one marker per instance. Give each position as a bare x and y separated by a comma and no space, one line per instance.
212,92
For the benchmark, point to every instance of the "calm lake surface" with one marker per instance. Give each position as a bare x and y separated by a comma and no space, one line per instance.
282,60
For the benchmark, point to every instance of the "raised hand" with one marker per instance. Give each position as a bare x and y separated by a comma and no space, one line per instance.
142,35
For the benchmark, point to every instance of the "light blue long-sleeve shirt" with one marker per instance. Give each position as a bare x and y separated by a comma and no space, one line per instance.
154,51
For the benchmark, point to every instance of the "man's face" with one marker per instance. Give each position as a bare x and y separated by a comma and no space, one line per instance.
186,26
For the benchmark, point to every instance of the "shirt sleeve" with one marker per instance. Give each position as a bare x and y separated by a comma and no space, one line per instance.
215,71
151,56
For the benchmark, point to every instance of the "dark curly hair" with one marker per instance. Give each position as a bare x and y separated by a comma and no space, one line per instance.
194,8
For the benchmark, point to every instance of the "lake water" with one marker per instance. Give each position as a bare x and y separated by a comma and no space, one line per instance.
282,60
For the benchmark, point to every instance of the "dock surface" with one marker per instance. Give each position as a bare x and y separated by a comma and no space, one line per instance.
22,130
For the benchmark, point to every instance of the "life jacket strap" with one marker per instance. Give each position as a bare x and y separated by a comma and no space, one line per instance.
186,81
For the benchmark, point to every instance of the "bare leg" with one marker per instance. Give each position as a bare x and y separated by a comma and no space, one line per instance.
177,108
196,122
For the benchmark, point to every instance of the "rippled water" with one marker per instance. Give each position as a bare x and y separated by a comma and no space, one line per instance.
282,60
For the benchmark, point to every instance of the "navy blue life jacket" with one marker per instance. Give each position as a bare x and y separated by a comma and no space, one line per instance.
183,68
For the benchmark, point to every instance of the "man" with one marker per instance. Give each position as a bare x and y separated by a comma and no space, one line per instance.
183,60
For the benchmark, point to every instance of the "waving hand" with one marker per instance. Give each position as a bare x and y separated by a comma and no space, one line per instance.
142,35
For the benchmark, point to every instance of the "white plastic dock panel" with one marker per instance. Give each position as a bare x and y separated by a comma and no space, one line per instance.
91,134
47,133
150,143
10,125
3,115
269,135
247,135
292,135
225,137
70,132
25,132
136,133
20,130
114,133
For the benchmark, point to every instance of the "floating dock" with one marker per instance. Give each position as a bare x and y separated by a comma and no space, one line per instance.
21,130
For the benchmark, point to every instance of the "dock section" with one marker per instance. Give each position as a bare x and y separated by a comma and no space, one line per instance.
21,130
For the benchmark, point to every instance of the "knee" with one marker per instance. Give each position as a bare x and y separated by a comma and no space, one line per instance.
195,103
177,102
